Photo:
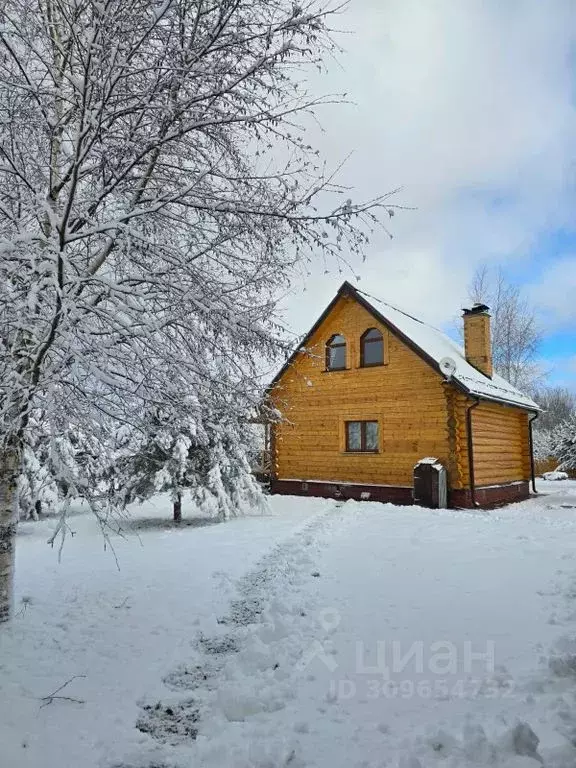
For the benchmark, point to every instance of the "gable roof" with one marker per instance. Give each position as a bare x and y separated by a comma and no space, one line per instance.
430,344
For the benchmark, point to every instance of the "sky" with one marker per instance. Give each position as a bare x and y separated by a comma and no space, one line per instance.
470,108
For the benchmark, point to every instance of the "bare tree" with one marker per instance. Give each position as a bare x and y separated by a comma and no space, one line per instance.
156,191
515,332
557,403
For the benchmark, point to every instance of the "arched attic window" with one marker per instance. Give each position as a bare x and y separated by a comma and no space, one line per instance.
336,353
371,348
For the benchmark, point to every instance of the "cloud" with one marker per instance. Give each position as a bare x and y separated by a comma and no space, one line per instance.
554,293
469,107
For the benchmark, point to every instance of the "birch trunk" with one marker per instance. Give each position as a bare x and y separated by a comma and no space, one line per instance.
8,522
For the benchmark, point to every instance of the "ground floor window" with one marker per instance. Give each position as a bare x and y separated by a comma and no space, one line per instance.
362,436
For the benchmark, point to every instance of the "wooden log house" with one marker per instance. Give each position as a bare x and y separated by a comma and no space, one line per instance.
371,391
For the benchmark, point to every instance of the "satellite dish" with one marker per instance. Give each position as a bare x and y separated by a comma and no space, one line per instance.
448,367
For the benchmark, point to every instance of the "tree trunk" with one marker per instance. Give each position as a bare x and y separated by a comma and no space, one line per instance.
178,508
38,509
8,520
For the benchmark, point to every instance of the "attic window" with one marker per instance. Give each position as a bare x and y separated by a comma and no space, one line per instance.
371,348
336,353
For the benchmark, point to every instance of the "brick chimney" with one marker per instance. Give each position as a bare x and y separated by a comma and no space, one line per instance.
477,338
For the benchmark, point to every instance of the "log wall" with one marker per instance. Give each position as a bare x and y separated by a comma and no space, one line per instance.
501,444
406,396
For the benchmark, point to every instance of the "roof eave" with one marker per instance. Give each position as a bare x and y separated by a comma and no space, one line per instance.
533,408
505,401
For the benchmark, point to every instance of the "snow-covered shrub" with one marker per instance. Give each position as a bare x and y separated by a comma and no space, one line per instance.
543,444
564,444
556,475
59,462
37,489
207,460
225,485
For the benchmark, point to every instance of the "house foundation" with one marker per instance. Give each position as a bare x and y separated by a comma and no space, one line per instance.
490,496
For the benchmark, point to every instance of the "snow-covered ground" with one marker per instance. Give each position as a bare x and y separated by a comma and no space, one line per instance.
320,634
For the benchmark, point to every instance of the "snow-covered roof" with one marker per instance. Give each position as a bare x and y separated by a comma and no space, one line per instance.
436,345
433,345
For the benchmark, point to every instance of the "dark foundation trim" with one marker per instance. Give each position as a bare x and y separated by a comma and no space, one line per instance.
328,490
491,496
